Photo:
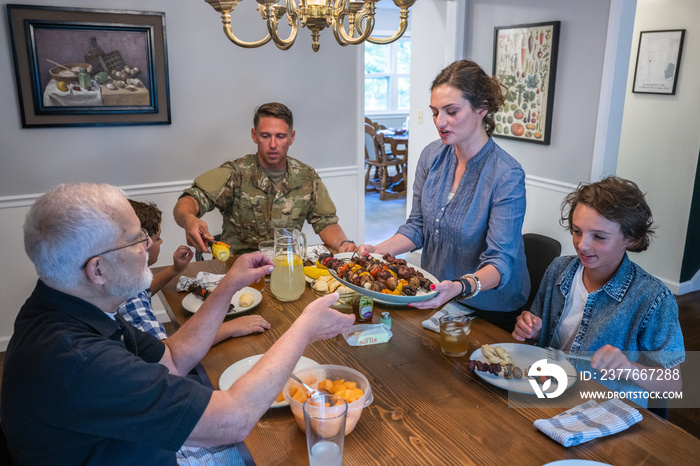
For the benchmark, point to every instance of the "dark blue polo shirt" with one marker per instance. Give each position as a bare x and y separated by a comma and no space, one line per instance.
81,388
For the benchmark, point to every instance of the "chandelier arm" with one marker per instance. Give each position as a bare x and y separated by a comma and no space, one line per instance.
347,38
344,38
284,44
226,20
403,24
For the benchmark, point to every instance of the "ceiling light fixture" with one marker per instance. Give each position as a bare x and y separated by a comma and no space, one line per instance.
315,15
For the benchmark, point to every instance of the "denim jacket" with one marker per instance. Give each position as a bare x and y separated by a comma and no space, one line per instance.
633,311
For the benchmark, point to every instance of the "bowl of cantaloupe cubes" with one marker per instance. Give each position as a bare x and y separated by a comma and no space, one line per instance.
347,383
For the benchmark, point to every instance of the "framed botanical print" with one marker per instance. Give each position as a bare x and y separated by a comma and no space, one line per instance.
525,60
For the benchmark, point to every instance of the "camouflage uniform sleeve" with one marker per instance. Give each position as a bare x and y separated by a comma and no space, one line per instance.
211,189
323,212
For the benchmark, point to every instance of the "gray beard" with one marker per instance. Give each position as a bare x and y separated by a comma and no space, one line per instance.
127,286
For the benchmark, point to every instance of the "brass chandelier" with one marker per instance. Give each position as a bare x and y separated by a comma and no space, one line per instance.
315,15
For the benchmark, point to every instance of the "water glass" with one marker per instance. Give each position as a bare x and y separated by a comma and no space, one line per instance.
267,248
324,419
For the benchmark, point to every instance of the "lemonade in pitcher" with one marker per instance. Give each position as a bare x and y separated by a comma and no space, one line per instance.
287,280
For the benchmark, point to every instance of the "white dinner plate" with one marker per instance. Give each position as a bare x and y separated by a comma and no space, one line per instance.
523,357
192,303
576,463
236,370
383,297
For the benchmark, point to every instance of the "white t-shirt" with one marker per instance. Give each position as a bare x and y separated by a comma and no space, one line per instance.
572,315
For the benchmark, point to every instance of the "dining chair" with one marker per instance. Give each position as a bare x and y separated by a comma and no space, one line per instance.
5,457
397,150
540,251
375,157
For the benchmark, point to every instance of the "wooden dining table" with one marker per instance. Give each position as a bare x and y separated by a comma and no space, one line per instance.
428,408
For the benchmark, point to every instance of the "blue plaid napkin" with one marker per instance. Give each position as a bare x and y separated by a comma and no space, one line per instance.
588,421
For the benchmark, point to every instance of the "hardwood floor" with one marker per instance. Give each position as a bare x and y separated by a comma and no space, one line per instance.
689,316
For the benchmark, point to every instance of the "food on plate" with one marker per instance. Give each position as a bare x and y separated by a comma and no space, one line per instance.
328,284
499,363
221,251
245,300
314,271
389,275
508,371
496,355
199,291
341,387
540,379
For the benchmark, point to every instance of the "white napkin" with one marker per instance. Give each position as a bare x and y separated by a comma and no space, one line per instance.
204,279
312,252
449,309
588,421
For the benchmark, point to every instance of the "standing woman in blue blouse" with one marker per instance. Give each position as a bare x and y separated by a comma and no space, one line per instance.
468,202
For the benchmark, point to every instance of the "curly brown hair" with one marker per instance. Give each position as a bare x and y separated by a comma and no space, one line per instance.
620,201
276,110
480,89
149,215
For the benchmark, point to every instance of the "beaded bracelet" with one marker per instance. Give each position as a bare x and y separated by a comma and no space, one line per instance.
478,284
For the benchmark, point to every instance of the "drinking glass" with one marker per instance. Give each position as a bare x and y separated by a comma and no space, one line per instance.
454,335
324,419
267,248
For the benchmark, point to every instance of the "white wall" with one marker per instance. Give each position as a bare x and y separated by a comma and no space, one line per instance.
659,141
214,89
554,170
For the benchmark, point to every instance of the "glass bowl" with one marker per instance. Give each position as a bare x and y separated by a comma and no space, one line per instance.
327,371
345,301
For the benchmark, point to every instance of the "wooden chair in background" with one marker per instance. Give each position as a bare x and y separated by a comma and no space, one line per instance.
377,159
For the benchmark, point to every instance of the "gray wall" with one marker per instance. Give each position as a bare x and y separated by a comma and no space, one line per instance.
215,86
581,48
214,89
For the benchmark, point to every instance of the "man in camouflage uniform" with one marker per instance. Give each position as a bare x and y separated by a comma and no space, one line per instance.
260,192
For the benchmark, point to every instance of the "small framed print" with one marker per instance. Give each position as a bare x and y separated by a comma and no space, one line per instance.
658,60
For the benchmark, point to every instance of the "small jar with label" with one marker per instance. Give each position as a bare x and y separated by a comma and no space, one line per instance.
363,307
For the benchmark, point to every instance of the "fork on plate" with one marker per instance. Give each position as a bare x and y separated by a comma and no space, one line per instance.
559,355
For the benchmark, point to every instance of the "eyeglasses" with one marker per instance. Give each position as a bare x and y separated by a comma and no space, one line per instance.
144,237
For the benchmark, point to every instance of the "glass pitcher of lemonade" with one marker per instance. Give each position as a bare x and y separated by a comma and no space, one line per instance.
287,280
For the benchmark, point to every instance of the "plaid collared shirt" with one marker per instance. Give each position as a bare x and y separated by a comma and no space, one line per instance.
138,311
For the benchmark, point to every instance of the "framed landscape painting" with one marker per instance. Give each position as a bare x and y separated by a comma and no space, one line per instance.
88,67
525,60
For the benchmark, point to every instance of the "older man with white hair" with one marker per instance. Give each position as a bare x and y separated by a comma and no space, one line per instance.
82,386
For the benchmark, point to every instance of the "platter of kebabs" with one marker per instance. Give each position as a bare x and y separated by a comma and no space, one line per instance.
383,277
508,365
